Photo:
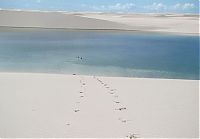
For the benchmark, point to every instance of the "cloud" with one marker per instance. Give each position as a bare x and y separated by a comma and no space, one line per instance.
156,6
114,7
164,7
188,6
132,7
177,6
184,6
119,6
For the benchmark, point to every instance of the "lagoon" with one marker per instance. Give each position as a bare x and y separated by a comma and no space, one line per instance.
103,53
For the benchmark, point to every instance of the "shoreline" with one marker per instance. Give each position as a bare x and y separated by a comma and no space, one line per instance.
106,76
52,105
102,30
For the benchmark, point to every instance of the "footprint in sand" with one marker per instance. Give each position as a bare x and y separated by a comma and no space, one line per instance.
123,120
111,93
76,110
68,124
116,102
133,136
113,90
121,109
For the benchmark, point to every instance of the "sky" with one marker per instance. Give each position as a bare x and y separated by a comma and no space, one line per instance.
137,6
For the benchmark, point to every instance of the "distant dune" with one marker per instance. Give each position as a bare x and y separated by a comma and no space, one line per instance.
170,23
54,20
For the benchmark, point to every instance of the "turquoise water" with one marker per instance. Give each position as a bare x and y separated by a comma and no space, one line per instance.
104,53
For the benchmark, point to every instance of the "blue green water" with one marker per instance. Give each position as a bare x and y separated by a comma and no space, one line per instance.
104,53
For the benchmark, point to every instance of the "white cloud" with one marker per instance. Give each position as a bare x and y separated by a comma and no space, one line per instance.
184,6
156,6
115,7
177,6
119,6
188,6
163,7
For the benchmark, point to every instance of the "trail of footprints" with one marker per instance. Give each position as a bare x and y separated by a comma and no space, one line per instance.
81,95
118,106
111,91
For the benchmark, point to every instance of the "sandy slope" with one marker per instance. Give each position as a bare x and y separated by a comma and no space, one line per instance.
171,23
49,105
54,20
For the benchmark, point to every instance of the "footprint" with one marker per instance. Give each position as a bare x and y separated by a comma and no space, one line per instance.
113,90
117,102
76,110
81,92
33,109
120,109
133,136
124,120
68,124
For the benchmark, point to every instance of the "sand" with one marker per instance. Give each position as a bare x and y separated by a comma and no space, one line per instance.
50,105
167,23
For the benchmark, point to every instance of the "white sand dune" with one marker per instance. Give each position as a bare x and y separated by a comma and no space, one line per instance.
50,105
170,23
